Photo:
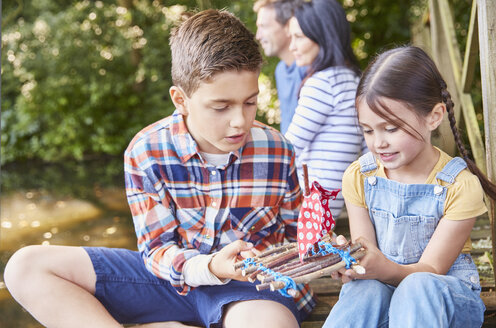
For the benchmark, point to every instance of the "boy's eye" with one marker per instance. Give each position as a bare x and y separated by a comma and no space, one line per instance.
220,109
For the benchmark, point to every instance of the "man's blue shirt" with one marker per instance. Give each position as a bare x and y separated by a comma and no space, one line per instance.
288,80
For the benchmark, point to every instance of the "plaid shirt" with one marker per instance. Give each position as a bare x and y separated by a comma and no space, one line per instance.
183,206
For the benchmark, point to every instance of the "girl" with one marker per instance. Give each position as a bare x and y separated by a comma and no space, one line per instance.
324,129
410,204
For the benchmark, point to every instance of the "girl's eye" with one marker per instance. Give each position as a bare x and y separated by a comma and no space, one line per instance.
367,131
391,130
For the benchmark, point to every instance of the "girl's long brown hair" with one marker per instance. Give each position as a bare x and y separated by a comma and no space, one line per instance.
408,75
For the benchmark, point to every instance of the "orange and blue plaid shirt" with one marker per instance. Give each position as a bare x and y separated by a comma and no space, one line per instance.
183,206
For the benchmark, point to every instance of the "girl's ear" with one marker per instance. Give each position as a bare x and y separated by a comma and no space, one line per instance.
436,115
178,98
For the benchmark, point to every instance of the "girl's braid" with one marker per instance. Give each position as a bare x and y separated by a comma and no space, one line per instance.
446,96
487,185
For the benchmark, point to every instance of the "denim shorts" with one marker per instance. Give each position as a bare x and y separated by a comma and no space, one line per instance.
132,294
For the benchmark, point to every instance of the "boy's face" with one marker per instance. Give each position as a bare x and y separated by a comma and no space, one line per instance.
220,113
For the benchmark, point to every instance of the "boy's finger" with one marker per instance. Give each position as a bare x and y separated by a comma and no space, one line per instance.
237,247
341,240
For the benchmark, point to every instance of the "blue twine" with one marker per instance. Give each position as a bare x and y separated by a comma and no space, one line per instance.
288,281
326,248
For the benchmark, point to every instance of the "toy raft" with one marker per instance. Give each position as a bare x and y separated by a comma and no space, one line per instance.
281,269
312,256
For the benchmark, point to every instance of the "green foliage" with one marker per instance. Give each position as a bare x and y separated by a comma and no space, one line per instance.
83,80
80,78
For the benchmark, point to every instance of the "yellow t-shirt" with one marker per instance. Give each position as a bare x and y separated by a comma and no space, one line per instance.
464,198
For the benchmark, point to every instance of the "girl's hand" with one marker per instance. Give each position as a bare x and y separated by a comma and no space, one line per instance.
222,264
375,263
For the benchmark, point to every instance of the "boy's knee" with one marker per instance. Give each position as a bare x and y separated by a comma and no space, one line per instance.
21,265
269,314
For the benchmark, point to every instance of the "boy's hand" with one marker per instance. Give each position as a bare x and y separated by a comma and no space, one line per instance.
222,264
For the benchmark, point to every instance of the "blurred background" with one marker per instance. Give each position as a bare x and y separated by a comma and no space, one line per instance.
80,78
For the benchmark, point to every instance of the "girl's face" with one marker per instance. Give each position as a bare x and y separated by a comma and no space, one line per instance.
399,151
304,50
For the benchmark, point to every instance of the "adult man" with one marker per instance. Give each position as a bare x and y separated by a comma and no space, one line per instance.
272,33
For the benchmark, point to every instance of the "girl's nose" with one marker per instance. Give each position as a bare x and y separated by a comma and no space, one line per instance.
380,141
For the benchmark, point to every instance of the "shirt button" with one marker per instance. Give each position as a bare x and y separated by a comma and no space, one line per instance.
214,172
474,279
214,204
207,236
252,228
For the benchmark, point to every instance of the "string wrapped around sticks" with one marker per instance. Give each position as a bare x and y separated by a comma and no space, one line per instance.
313,256
282,270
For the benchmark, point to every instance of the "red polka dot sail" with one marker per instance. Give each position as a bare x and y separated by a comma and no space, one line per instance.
315,219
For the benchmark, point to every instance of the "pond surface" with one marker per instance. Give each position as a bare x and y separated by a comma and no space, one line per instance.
81,204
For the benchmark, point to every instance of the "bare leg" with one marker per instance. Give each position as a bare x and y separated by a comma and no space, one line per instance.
168,324
56,285
259,313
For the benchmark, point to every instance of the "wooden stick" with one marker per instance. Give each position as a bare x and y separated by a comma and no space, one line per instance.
275,285
313,267
305,178
280,249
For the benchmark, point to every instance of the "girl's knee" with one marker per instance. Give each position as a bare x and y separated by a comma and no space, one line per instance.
363,289
418,285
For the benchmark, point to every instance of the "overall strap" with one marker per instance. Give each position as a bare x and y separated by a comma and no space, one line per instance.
367,162
451,170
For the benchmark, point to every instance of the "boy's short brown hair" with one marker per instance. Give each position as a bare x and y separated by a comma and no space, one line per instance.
210,42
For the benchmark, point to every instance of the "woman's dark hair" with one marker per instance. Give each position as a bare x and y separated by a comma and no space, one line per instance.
324,22
408,75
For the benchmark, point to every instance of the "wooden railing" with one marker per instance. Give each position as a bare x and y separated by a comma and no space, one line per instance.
436,34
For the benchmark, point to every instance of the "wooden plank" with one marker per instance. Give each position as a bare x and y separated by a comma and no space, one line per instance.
471,51
487,44
465,99
442,137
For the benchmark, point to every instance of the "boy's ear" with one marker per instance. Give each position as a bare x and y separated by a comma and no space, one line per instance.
436,115
178,98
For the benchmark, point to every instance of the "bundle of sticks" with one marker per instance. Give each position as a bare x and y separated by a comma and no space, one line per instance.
283,261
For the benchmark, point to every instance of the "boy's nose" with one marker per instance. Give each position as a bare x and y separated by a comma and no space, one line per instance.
238,119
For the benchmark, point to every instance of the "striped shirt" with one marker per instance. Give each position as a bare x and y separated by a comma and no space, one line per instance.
325,131
182,206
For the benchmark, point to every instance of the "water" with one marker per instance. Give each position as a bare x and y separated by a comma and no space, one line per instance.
79,204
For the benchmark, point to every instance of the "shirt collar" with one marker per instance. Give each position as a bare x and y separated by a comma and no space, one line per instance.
186,147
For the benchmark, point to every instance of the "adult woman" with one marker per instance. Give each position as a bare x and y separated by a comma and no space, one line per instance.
324,129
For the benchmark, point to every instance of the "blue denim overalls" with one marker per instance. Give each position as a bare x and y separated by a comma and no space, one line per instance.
405,217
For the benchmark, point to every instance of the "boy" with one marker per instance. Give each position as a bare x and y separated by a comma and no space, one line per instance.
204,186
